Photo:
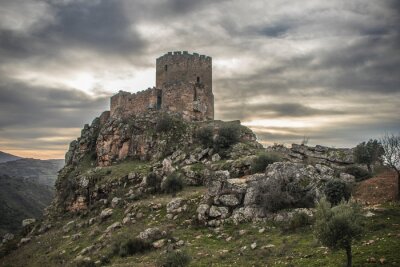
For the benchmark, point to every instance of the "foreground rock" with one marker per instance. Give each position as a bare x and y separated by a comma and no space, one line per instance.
283,185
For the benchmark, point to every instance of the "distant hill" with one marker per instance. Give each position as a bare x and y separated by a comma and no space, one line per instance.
38,171
4,157
26,188
21,198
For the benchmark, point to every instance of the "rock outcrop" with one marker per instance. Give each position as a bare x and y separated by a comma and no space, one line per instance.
283,185
333,157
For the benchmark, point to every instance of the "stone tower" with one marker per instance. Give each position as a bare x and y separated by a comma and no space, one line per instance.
185,81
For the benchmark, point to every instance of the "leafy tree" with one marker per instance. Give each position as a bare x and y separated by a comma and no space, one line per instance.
337,227
336,190
391,155
368,153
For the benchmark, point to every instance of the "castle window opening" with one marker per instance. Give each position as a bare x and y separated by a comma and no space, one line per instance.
198,79
166,67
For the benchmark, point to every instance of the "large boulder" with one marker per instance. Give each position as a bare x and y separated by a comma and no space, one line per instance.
283,185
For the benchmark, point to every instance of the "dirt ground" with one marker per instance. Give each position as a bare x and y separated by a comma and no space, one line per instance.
379,189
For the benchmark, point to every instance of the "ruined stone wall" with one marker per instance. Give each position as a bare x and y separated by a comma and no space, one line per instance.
192,100
125,103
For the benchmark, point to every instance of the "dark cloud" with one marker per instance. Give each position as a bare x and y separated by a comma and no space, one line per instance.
35,107
272,60
271,110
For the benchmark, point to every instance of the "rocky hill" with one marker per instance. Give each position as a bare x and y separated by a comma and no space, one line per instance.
40,171
21,198
147,189
26,189
4,157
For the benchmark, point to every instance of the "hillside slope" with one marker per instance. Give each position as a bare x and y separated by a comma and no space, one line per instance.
118,200
4,157
39,171
21,198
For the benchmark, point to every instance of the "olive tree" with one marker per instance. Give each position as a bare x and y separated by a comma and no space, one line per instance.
391,155
368,153
337,227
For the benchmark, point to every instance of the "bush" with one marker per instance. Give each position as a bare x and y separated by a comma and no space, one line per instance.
337,227
85,263
228,135
359,173
176,259
172,184
262,161
368,153
299,220
206,136
337,190
131,247
164,124
271,196
153,181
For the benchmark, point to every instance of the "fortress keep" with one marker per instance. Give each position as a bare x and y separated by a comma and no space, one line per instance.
183,86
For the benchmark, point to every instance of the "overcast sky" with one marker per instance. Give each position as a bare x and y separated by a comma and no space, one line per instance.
328,70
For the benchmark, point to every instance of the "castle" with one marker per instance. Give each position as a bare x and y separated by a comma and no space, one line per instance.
183,86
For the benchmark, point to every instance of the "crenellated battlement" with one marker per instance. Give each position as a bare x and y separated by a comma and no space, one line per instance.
183,54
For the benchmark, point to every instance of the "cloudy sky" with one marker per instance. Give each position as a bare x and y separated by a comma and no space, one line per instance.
328,70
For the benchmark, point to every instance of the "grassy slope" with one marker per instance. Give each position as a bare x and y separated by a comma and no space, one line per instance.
208,248
205,245
40,171
21,198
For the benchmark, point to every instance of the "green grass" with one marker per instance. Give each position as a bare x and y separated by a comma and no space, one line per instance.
208,248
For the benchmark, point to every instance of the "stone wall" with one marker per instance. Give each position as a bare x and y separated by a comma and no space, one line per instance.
183,86
192,100
183,67
125,103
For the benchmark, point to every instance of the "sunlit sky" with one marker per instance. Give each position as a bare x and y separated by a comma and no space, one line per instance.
327,70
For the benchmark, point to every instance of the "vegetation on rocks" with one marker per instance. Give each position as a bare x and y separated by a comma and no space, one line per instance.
263,160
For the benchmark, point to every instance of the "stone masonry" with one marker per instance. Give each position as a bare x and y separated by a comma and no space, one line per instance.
183,86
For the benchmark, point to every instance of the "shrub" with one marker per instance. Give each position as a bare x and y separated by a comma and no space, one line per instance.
368,153
176,259
227,136
85,263
336,190
131,246
271,196
206,136
164,124
262,161
337,227
172,184
153,181
359,173
299,220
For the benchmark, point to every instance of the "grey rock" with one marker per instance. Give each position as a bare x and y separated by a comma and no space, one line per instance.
106,213
28,222
229,200
150,234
